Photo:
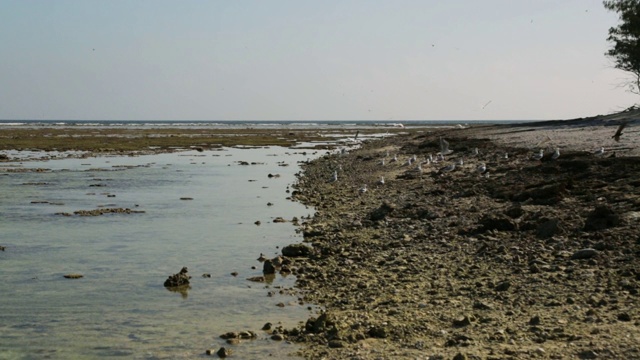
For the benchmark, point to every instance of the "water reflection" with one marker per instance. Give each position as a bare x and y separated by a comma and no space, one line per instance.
182,290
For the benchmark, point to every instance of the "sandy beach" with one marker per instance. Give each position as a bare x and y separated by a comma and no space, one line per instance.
529,259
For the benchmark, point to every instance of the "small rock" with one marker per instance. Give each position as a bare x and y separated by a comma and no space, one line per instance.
460,356
277,337
179,279
584,254
295,250
73,276
223,352
258,222
233,341
206,275
534,321
279,219
461,322
186,198
336,344
235,273
624,317
503,286
268,267
267,326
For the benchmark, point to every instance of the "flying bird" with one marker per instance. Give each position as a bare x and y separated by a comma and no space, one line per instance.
444,147
618,133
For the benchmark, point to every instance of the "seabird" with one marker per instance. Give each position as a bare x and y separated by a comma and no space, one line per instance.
363,189
381,181
599,152
481,168
618,133
556,154
448,168
444,147
334,178
539,155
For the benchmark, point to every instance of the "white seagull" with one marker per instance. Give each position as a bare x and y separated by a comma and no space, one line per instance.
444,147
363,189
381,181
448,168
539,155
599,152
556,154
481,168
334,178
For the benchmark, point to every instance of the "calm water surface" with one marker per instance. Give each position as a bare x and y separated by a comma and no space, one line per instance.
120,309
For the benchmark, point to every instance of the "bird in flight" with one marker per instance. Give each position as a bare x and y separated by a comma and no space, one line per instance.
618,133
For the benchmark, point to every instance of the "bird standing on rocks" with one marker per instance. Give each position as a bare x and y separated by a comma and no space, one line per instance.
381,181
481,168
599,152
334,178
539,155
556,154
363,189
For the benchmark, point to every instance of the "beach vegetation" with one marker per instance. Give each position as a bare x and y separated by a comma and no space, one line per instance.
625,40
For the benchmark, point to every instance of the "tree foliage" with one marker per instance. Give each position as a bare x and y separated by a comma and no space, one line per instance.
625,39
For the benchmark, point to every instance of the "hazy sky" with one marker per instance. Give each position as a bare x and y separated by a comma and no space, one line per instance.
307,60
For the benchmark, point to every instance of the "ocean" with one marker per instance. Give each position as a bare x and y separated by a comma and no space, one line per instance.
196,209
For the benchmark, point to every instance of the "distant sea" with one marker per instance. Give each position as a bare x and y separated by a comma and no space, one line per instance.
251,123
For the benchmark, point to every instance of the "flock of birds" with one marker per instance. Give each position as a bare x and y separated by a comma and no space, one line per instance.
441,157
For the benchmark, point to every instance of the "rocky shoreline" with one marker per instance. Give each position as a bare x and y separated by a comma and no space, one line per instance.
528,259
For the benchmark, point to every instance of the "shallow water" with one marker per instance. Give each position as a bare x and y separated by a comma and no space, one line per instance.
121,308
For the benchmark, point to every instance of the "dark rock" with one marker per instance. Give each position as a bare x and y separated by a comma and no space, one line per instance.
462,322
235,273
534,321
268,267
379,332
258,223
460,356
624,317
267,326
257,279
503,286
206,275
514,212
2,248
314,325
179,279
73,276
295,250
584,254
498,222
602,217
277,337
279,220
223,352
382,212
336,344
548,229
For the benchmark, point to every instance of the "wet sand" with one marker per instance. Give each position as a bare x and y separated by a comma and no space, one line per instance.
532,259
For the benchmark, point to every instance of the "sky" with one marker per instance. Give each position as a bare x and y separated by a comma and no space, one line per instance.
307,60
